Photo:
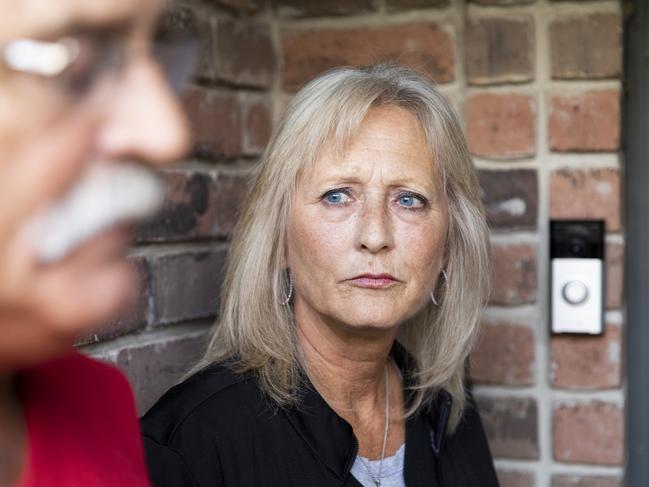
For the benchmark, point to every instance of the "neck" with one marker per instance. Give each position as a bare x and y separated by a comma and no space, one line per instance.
346,366
12,432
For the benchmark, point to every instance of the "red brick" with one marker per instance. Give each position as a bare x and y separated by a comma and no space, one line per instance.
189,208
244,52
257,124
500,126
588,121
425,46
586,481
153,367
514,276
588,46
216,122
511,425
499,50
614,274
587,362
186,284
231,191
590,432
585,194
509,478
504,355
510,198
395,5
315,8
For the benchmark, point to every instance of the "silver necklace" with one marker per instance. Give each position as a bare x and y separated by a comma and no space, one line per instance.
377,478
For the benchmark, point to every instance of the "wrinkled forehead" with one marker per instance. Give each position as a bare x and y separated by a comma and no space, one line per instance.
33,18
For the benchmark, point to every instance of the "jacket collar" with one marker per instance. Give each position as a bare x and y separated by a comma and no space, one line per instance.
331,439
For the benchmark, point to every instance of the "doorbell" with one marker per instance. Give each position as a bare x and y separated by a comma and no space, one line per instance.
577,276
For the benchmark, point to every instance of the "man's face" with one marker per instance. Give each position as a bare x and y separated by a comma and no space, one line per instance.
51,131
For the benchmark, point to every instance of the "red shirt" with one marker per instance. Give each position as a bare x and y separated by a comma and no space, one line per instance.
82,426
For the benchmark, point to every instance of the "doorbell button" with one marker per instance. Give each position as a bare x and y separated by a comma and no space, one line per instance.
575,292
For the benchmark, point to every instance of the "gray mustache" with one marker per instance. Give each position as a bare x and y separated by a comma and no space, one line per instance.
106,195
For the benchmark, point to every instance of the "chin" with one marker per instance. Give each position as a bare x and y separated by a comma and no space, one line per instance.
370,320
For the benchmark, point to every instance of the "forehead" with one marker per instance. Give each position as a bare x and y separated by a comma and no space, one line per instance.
386,134
42,17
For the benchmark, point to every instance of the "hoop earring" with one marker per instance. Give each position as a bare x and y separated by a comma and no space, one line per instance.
432,293
287,301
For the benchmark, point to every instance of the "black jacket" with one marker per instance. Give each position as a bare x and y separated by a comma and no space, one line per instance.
217,429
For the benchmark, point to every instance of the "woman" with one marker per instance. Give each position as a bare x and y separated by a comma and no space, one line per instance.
356,276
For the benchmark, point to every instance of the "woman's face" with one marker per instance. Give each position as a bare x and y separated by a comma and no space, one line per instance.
367,230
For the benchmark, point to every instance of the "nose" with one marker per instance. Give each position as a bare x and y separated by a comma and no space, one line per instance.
144,120
374,231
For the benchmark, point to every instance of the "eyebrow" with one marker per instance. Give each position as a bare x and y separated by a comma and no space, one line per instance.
346,179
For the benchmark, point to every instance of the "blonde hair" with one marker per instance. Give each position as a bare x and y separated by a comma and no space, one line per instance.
256,333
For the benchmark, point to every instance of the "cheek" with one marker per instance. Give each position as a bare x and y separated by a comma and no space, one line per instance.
422,251
316,246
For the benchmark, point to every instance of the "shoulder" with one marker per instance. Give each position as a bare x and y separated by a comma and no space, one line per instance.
468,445
70,375
183,431
208,396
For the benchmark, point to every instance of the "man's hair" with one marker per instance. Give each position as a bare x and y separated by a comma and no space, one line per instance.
257,334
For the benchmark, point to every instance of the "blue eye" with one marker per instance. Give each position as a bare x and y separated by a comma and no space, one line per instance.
411,201
407,201
336,197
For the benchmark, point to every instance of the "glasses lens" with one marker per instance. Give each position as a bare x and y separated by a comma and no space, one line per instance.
178,57
96,59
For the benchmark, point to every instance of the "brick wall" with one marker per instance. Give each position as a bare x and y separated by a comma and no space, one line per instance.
538,85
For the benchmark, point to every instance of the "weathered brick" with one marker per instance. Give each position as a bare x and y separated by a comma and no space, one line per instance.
242,6
512,478
188,211
184,19
316,8
589,432
510,198
231,191
500,126
187,284
152,368
501,2
134,317
499,50
256,124
514,274
504,355
614,274
588,46
511,425
586,481
587,362
424,46
216,122
584,194
395,5
588,121
244,52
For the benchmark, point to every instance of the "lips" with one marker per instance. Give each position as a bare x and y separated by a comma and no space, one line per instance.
374,281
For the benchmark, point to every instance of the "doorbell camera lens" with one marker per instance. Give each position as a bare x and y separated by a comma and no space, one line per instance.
577,248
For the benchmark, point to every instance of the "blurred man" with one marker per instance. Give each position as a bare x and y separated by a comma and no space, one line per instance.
85,111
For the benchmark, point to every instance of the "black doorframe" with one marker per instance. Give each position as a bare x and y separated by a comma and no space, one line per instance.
636,282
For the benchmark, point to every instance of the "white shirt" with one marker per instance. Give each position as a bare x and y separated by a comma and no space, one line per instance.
391,471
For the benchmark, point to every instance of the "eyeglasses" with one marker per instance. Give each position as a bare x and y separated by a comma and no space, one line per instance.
77,63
